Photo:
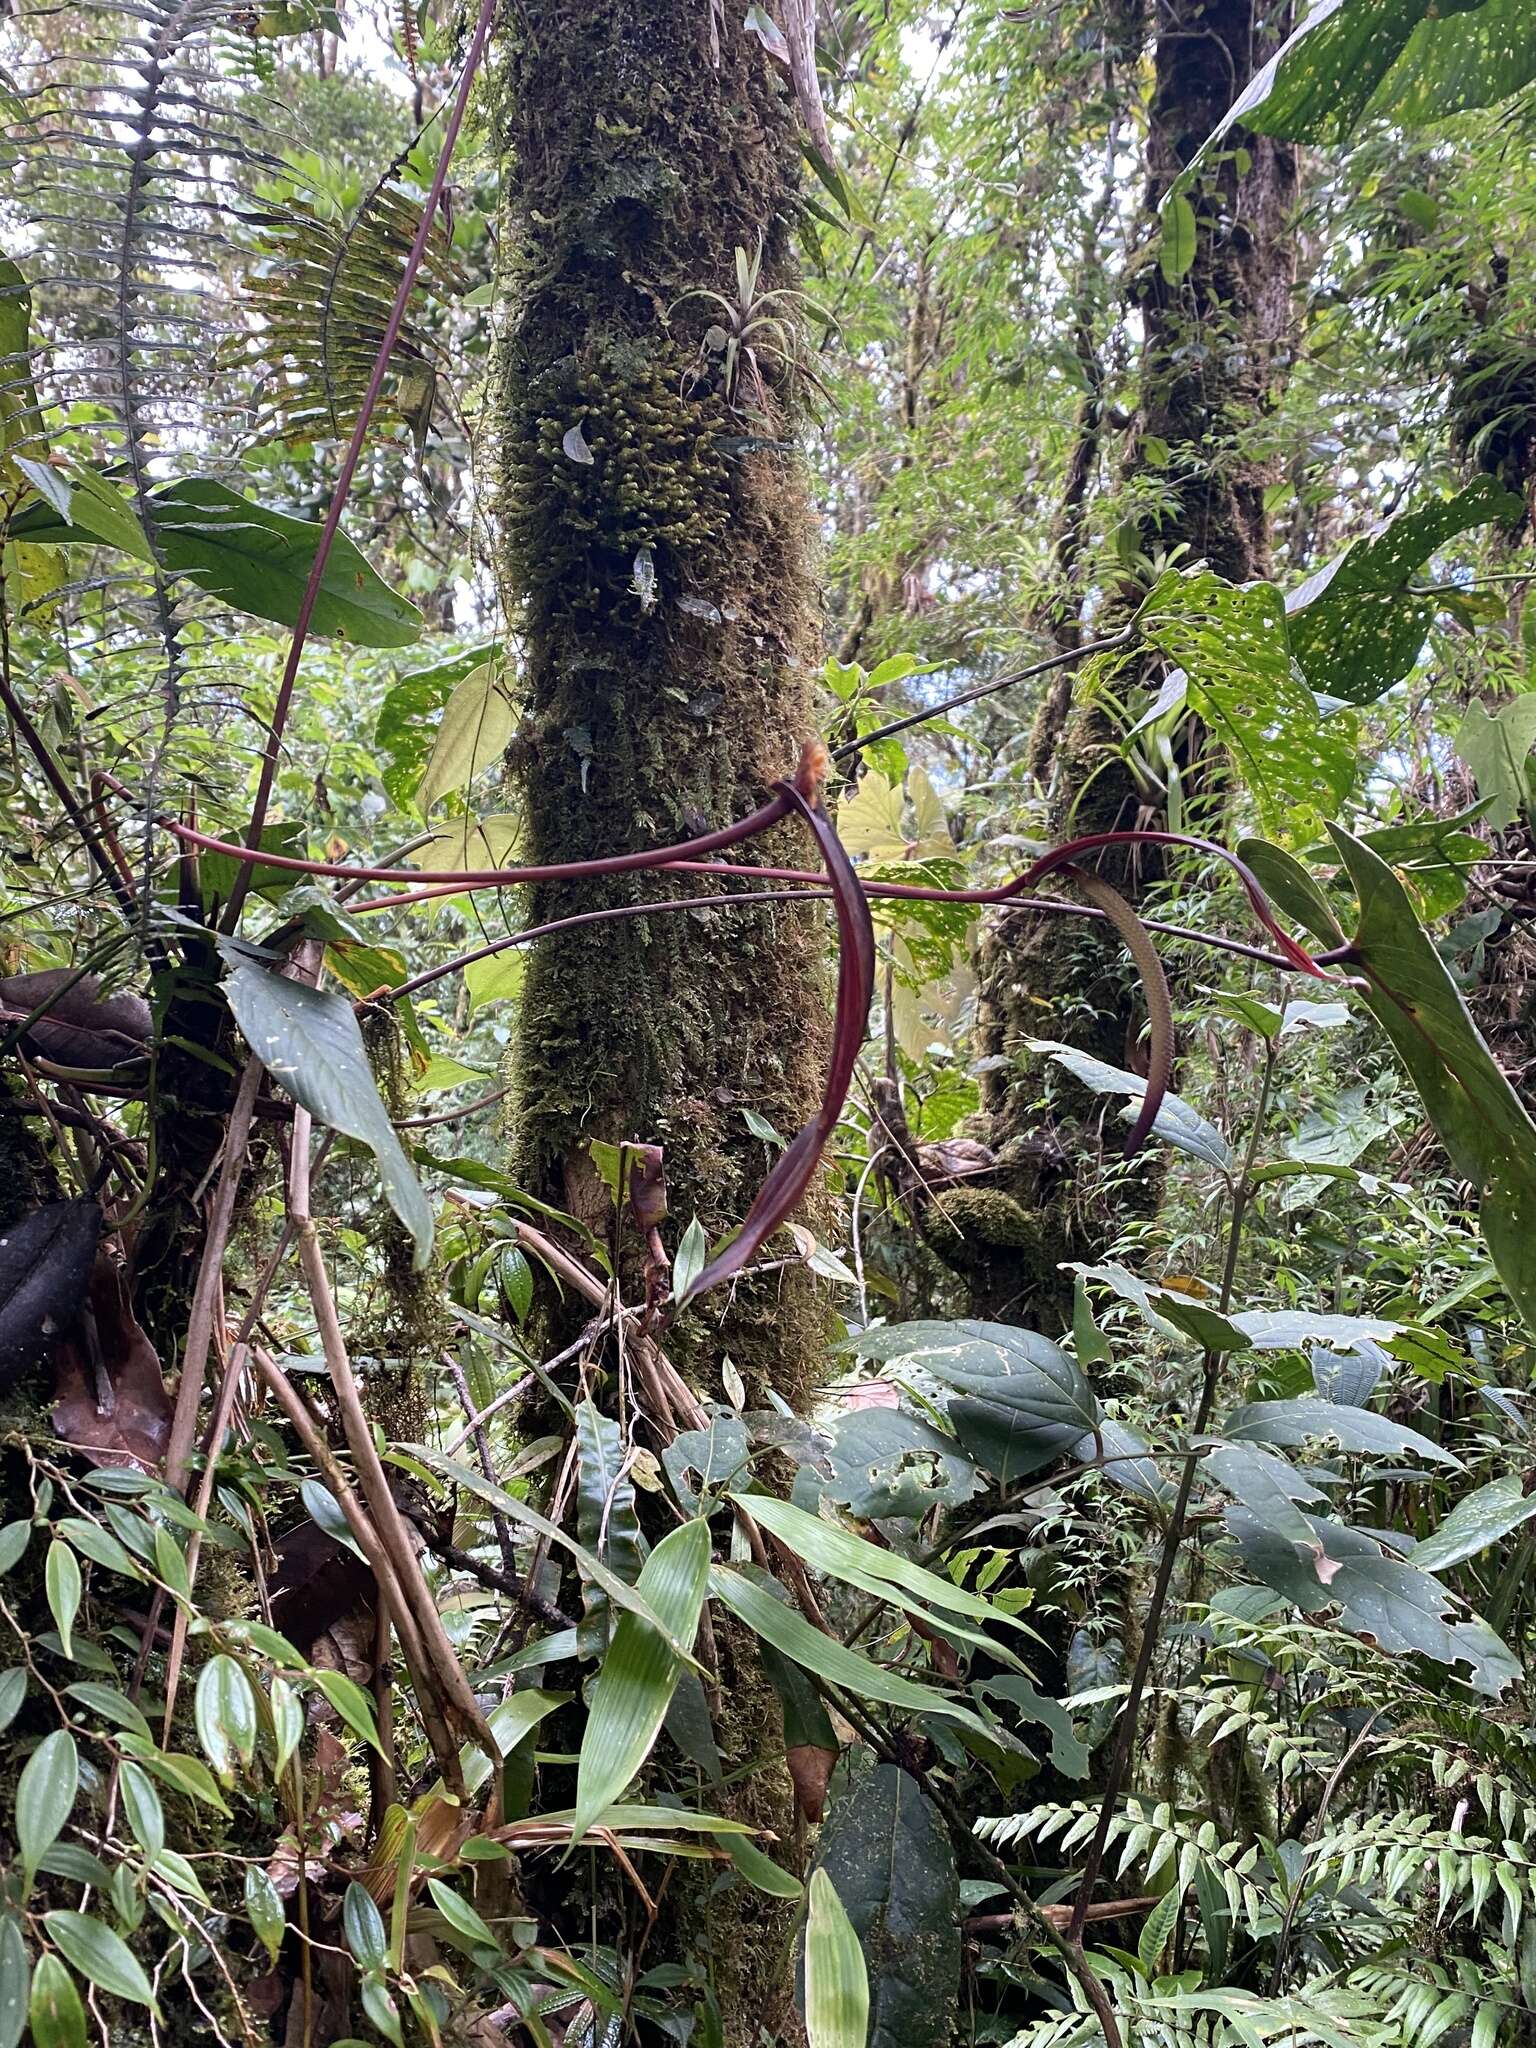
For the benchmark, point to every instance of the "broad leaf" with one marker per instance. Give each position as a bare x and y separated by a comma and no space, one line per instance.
1355,626
886,1463
55,2010
887,1853
1043,1390
477,722
226,1716
1176,1123
45,1795
310,1042
1475,1523
1389,1603
1352,1429
1496,746
246,555
101,1956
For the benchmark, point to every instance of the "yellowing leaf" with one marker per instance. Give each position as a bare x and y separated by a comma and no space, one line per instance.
477,722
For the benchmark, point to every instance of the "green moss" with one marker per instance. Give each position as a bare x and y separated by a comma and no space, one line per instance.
659,577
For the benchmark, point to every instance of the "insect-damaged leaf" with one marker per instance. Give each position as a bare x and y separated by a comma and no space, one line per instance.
310,1042
45,1263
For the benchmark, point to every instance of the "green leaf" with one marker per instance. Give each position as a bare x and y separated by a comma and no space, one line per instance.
45,1794
1352,1429
226,1716
100,1546
310,1042
1401,60
836,1985
887,1463
606,1520
188,1775
61,1576
1233,646
1355,627
832,1550
141,1803
13,1690
887,1855
15,1981
1158,1928
362,1924
287,1723
688,1263
1176,1123
761,1871
793,1636
55,2011
635,1684
101,1956
1176,250
265,1910
14,1538
1475,1523
516,1510
406,728
246,555
1496,746
381,2008
477,723
1395,1606
1477,1116
461,1916
1012,1379
351,1702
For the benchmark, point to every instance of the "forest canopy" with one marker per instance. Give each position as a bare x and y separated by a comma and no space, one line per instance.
767,1168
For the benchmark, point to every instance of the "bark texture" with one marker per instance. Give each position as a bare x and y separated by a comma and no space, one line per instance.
1213,359
656,540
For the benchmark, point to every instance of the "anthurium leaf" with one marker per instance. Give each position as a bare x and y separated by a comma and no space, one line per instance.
886,1463
1477,1116
1014,1368
836,1983
635,1685
1390,1603
476,724
1355,626
1176,1123
1496,745
310,1042
1475,1523
885,1853
1352,1429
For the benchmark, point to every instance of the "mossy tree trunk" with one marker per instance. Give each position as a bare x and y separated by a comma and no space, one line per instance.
1212,360
656,530
656,534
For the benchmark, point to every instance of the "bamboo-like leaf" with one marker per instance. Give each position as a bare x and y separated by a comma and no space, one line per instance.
836,1982
639,1673
791,1634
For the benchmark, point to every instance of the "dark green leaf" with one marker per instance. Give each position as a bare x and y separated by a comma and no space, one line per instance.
15,1981
309,1040
363,1926
55,2010
264,1909
45,1794
101,1956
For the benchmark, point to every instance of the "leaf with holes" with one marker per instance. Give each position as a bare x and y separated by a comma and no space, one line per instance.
310,1042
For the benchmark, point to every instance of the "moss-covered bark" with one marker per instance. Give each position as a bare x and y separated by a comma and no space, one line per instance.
656,537
656,530
1212,360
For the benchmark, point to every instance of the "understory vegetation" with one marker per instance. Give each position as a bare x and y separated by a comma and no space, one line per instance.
767,1169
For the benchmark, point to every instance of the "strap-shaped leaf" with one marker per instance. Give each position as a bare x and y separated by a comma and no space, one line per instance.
836,1982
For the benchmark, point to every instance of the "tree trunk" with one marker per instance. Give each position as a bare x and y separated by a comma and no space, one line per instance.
1212,362
656,535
